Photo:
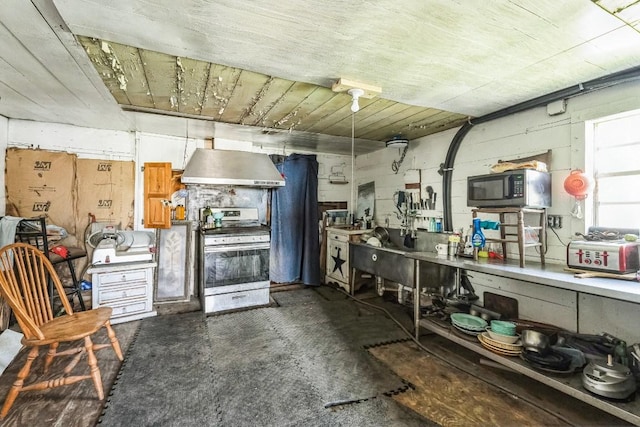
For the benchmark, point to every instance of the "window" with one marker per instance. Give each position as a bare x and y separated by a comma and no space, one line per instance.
616,171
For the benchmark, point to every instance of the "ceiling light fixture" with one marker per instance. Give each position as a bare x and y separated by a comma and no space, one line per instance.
397,142
355,93
357,90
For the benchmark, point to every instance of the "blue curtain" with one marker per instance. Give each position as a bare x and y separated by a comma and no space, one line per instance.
295,246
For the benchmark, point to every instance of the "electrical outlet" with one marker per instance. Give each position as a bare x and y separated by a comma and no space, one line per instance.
554,221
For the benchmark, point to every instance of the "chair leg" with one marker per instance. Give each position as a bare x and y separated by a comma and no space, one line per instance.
93,366
114,340
53,348
18,383
76,284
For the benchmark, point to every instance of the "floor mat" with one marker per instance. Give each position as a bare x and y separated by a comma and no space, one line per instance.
301,363
166,379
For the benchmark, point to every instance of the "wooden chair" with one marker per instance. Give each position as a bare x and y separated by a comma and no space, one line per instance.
34,232
24,276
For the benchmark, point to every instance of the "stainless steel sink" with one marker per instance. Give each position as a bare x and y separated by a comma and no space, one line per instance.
389,262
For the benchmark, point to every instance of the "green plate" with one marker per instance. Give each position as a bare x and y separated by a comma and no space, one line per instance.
467,321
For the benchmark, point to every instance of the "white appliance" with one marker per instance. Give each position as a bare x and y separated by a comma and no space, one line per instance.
234,261
112,246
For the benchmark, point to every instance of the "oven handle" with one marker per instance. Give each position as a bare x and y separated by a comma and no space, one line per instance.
245,246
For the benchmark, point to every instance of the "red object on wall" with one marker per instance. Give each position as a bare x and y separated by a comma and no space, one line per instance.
578,184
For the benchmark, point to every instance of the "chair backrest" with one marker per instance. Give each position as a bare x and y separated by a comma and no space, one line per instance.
33,231
24,276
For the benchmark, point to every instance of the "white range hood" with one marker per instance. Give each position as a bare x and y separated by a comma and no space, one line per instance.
228,167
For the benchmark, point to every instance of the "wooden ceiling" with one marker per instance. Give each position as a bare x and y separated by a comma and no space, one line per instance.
148,81
206,67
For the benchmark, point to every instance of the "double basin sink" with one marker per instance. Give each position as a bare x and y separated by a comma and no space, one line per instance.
390,263
387,262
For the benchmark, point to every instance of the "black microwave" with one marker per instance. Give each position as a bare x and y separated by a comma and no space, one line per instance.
516,188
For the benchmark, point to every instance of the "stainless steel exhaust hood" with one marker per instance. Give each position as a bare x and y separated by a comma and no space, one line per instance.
227,167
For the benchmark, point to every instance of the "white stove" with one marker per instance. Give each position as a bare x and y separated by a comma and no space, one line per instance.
234,260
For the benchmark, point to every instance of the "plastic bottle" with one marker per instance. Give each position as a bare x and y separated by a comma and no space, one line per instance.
477,238
207,215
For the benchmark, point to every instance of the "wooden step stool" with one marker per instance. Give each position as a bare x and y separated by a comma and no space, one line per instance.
509,236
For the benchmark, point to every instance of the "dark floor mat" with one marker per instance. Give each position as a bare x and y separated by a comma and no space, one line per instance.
271,366
266,394
302,296
167,376
347,375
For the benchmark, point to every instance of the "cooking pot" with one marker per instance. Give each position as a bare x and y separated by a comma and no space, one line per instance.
535,341
381,234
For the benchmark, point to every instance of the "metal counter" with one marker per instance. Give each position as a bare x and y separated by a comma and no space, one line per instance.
549,275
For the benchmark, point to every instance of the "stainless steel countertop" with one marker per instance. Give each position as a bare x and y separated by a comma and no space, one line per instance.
552,275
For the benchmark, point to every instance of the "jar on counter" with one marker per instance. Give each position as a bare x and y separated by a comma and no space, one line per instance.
180,212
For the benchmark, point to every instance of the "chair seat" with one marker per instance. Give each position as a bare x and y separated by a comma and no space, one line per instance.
71,327
74,253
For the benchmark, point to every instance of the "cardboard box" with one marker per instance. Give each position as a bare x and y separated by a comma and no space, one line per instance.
106,192
41,183
67,189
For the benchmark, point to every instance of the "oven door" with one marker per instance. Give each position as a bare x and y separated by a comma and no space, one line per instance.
229,268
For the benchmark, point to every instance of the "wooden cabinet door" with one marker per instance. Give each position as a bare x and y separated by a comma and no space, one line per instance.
157,195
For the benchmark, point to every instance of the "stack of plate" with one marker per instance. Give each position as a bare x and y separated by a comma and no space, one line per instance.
499,347
468,324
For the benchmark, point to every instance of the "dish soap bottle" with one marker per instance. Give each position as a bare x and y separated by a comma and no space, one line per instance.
207,216
477,238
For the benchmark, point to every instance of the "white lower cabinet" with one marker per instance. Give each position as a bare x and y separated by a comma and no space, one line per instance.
337,262
126,288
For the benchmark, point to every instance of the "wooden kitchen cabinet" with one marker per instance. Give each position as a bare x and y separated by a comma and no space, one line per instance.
337,262
127,288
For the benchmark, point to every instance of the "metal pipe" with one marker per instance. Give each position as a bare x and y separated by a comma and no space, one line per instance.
446,169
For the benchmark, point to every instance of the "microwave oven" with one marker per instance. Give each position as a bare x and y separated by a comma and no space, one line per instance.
515,188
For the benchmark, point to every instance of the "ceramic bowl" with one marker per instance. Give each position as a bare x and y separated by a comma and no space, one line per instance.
508,339
503,327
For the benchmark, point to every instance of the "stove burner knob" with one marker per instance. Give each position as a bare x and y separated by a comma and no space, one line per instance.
597,262
587,261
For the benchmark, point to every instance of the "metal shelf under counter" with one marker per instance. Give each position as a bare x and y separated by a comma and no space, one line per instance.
552,275
568,384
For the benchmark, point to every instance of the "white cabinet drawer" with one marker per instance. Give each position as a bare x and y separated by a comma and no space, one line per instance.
123,277
130,308
337,237
127,289
234,300
116,293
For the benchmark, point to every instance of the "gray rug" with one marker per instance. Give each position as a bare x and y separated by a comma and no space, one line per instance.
301,363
